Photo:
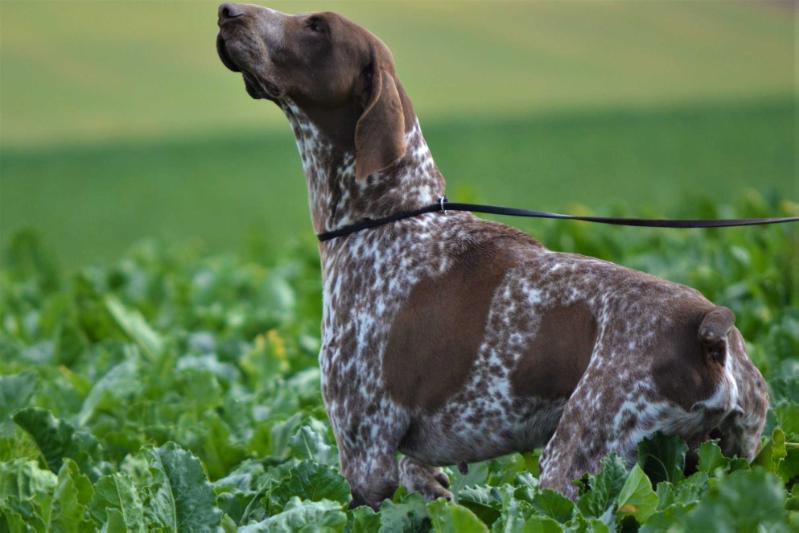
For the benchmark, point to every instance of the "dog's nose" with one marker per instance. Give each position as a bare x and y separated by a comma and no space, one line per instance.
229,11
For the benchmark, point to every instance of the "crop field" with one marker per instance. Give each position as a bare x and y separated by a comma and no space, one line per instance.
180,391
160,294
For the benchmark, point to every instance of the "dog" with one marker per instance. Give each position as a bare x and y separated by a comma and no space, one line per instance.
453,339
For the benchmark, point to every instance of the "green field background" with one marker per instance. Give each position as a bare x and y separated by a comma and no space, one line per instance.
117,121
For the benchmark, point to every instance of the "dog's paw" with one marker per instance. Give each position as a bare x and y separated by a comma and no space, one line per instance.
430,482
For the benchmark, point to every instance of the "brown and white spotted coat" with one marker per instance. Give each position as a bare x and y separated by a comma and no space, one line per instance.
452,339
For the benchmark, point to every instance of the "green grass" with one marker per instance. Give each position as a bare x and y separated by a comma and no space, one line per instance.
119,122
92,202
89,71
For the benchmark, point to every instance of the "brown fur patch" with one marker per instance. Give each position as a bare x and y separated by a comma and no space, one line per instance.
435,337
683,372
557,358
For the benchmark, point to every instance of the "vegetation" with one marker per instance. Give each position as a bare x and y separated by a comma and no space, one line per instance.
178,391
172,385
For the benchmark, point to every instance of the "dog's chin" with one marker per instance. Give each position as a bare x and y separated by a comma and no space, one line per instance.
252,89
258,87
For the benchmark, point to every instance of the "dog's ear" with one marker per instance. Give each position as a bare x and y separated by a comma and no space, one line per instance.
380,130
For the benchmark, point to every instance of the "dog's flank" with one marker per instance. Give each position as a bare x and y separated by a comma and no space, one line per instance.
454,339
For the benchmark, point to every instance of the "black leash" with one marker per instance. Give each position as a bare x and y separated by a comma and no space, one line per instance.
444,205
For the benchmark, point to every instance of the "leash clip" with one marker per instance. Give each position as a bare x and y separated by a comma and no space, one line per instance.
442,200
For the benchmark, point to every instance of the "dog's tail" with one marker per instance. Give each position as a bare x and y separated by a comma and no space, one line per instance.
713,331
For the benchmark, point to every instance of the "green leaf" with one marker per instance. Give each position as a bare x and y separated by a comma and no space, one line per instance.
711,458
554,505
662,457
603,487
70,344
504,469
244,477
71,499
483,501
364,520
515,511
13,522
111,391
282,433
309,442
303,516
773,453
541,524
135,327
313,481
217,447
789,467
636,497
745,500
405,512
688,491
115,493
235,504
115,523
93,316
476,475
671,518
58,439
27,490
15,392
585,524
449,517
788,418
184,500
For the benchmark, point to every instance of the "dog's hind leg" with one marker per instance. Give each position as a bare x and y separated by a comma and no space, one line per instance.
427,480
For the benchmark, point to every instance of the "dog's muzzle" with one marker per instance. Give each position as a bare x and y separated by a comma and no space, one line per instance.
221,49
256,86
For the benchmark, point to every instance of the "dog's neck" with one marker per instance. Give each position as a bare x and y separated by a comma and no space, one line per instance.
336,198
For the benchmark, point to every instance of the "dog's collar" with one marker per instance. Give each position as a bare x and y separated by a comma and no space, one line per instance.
443,205
369,223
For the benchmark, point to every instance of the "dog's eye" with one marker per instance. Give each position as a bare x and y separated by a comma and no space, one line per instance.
316,25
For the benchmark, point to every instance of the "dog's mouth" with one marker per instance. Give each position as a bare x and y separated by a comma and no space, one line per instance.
256,87
221,49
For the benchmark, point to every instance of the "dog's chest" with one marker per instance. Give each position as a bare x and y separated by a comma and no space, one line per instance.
364,287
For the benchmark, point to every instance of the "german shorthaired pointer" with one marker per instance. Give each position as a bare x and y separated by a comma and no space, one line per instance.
452,339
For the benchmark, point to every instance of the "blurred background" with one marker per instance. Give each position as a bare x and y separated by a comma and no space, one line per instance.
118,122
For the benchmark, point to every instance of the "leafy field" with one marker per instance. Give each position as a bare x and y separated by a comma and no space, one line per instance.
178,391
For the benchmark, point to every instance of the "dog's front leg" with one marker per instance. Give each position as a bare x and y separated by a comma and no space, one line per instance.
740,431
368,432
372,472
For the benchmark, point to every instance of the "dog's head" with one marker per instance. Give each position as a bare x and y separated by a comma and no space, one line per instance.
337,73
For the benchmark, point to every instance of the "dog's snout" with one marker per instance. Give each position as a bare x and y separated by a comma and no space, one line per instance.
229,11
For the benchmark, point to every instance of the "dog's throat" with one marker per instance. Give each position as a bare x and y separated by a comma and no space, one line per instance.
336,198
